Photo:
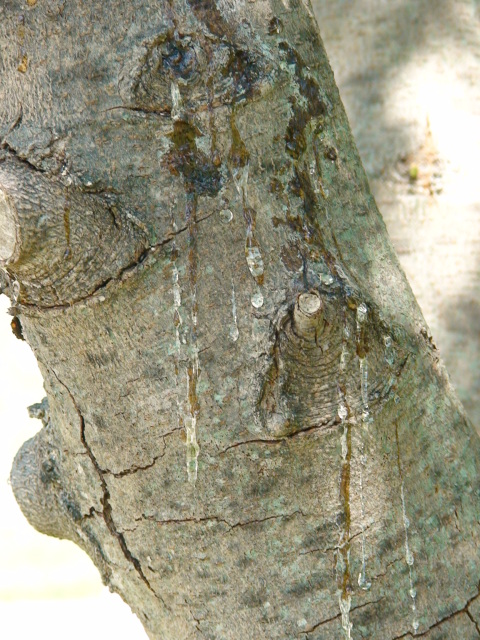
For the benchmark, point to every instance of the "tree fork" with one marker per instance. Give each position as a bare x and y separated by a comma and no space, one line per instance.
248,427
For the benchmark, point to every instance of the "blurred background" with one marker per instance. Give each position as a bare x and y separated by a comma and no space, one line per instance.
409,76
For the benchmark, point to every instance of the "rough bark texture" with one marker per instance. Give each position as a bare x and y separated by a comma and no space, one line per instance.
247,428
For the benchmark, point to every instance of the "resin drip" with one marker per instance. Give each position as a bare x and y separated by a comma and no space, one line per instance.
345,604
176,101
409,558
364,388
238,159
389,350
253,256
14,286
362,356
200,177
66,225
234,333
191,422
177,321
177,298
361,318
363,583
343,555
344,544
193,367
317,184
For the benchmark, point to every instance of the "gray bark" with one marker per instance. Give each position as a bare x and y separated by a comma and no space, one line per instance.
248,427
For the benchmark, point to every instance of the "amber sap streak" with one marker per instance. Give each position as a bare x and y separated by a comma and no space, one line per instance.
345,496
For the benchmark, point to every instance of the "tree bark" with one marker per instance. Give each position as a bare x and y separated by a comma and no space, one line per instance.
248,427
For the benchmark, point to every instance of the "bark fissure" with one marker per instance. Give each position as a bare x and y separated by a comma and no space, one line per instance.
477,627
23,159
107,508
11,150
230,525
15,124
134,469
92,512
283,438
390,564
463,610
184,520
165,113
274,517
337,547
194,618
338,616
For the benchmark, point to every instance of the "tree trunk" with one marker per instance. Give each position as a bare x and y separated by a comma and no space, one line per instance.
248,428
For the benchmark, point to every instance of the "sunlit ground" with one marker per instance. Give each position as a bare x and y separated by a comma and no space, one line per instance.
434,221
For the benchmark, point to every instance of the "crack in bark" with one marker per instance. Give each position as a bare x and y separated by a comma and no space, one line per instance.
184,520
387,566
144,110
23,160
477,627
463,610
132,470
196,620
254,441
16,123
222,520
339,615
91,512
135,468
107,507
167,111
11,150
283,515
337,547
281,439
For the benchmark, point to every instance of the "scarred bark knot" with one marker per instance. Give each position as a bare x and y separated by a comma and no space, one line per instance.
308,316
44,220
303,337
325,345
